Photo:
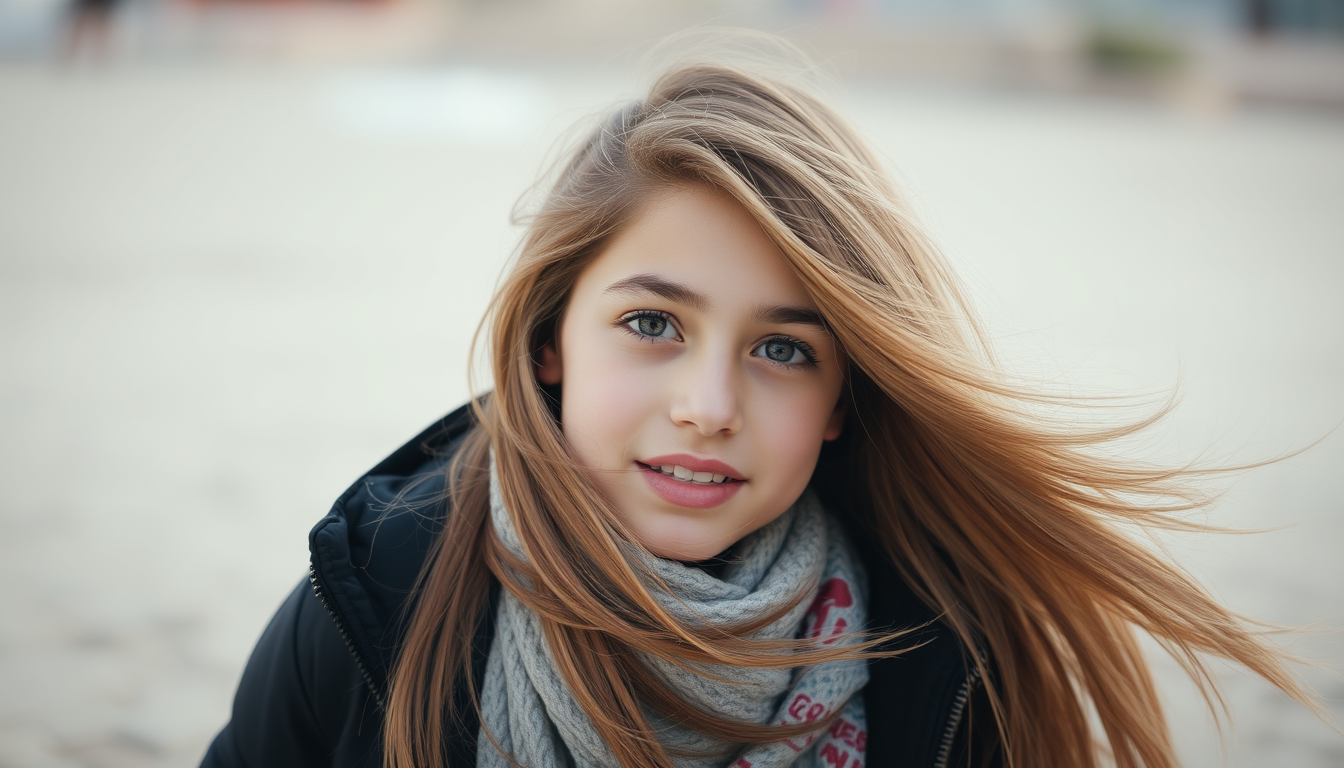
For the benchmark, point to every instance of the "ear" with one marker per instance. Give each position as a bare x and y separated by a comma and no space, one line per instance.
549,368
836,423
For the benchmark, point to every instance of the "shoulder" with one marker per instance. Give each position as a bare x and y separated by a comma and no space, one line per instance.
367,552
300,702
927,706
312,691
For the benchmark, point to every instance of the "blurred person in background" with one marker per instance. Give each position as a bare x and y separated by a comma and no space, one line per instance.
88,29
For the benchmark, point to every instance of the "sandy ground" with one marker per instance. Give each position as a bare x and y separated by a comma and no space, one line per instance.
225,292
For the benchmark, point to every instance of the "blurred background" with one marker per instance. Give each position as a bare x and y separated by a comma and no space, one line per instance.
244,244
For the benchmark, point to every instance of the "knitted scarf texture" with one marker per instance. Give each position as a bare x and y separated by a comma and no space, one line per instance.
530,713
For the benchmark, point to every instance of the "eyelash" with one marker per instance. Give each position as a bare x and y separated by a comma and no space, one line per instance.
625,320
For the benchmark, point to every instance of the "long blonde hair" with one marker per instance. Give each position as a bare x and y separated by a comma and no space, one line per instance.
1013,527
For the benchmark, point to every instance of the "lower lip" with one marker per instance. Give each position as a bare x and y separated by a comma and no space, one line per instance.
684,494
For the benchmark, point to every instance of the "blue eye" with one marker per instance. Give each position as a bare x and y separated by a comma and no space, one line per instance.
785,352
651,325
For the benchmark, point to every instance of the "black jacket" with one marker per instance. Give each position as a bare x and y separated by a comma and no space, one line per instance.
313,691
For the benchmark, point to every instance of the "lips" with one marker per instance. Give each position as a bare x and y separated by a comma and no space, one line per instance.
712,482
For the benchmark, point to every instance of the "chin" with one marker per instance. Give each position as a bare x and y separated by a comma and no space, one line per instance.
680,544
683,552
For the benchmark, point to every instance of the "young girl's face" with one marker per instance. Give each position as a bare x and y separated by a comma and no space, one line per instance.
698,379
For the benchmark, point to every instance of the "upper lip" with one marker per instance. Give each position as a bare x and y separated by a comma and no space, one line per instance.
694,464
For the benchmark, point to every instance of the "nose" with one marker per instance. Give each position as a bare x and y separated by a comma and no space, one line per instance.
706,395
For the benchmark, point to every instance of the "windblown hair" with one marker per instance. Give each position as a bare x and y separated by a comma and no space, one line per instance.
1017,529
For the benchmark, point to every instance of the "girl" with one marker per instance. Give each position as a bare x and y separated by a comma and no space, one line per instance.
748,492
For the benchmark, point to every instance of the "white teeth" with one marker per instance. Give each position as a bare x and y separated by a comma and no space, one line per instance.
682,473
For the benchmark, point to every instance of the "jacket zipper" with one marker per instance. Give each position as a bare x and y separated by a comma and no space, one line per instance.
345,635
954,717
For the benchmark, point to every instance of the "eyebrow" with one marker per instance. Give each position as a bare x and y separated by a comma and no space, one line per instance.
650,283
646,282
789,315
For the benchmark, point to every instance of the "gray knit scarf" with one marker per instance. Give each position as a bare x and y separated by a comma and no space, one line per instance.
530,713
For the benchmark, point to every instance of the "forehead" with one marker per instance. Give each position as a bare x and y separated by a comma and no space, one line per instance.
702,238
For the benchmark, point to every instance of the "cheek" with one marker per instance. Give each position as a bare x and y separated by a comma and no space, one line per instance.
790,428
602,404
795,445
